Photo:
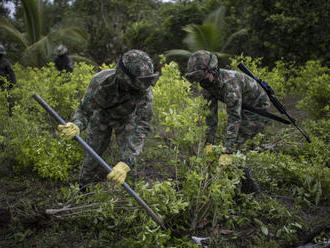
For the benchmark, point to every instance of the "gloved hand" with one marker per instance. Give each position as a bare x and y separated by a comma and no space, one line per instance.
118,173
69,130
225,160
208,148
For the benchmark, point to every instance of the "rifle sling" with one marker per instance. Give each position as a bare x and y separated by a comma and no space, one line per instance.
265,114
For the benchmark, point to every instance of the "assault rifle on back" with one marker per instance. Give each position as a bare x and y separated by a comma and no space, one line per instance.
270,92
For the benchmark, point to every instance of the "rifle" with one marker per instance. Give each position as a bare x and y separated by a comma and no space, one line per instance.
271,94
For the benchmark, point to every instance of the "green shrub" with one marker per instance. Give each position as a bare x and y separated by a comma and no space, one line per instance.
30,135
299,176
312,81
201,198
275,78
180,114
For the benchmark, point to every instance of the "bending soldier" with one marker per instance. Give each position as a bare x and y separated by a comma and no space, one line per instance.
117,99
236,90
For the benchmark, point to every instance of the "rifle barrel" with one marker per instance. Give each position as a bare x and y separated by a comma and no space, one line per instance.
246,70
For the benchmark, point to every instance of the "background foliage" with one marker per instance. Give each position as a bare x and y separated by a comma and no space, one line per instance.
286,43
293,31
182,184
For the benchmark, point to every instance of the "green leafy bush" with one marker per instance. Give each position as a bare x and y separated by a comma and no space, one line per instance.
275,78
196,196
30,135
312,81
181,115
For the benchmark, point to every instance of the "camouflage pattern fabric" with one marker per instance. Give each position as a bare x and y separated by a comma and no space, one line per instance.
138,67
110,105
235,88
138,63
202,60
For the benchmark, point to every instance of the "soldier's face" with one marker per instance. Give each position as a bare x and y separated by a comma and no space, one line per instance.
126,85
208,81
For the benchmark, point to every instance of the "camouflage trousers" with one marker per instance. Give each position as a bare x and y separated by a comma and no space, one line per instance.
130,142
251,124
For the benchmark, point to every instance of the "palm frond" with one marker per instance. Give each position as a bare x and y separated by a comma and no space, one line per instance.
32,18
178,52
222,55
38,53
216,17
13,31
202,37
70,34
234,36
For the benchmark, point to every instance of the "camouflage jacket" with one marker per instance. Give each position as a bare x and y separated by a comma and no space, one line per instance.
118,106
234,89
7,72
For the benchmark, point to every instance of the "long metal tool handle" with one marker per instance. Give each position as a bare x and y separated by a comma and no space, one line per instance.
52,112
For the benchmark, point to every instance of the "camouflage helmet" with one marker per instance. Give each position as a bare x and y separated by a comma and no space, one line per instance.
2,50
198,63
61,50
138,66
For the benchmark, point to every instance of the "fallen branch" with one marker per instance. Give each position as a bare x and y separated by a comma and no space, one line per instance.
67,209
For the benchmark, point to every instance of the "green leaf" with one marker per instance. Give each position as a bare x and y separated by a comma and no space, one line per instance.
264,230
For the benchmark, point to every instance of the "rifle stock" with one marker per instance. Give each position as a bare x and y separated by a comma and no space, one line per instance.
270,92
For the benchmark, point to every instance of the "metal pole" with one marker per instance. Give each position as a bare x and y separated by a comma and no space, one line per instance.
52,112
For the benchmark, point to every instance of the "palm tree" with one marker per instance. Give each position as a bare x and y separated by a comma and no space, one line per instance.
39,47
208,36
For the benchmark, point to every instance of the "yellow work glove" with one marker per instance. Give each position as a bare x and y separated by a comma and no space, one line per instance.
118,173
69,130
208,148
225,160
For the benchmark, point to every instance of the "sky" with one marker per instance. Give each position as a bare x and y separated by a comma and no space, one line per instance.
11,6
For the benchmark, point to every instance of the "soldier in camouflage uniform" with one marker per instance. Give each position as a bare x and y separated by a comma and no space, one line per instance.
236,90
6,72
62,60
117,99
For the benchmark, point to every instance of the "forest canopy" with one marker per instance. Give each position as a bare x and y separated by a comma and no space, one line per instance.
293,31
